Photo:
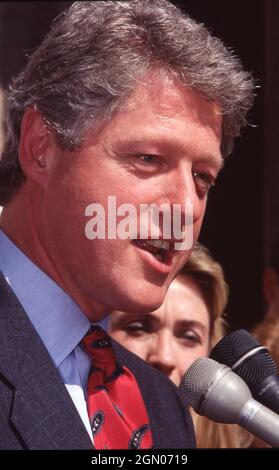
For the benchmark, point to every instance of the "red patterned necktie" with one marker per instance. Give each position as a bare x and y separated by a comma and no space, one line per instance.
115,406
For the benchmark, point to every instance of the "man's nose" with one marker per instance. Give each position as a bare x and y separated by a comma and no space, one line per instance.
162,355
181,194
187,195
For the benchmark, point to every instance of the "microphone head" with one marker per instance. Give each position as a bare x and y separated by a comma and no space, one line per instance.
198,379
231,347
214,390
253,368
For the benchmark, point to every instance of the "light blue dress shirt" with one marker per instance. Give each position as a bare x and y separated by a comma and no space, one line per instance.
56,317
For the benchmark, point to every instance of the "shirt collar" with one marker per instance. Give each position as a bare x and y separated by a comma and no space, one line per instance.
57,318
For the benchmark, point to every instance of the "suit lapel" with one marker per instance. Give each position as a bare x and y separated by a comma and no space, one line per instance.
43,414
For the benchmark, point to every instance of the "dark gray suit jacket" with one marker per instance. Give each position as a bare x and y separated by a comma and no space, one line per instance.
36,411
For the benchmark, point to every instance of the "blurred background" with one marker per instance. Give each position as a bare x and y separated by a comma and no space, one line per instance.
242,217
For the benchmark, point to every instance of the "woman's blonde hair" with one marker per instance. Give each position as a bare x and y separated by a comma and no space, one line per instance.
208,274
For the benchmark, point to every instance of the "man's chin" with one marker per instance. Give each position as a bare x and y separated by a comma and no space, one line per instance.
142,305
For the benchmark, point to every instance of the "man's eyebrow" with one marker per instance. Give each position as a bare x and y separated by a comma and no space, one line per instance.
216,161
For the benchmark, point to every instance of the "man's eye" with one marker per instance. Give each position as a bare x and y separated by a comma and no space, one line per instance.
204,182
148,159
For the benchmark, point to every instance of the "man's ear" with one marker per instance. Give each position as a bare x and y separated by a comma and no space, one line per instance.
37,147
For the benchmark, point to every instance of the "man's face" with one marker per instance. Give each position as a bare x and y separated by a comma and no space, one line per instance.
163,147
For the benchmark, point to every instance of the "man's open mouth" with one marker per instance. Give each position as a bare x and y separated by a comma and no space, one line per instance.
162,250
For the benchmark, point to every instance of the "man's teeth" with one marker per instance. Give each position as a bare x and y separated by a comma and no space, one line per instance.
161,244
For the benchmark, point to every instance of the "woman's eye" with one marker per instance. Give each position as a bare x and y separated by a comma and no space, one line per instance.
204,182
191,336
135,327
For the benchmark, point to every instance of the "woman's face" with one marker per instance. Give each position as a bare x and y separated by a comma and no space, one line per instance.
172,337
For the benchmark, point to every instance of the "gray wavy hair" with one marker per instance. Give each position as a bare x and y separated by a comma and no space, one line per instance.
92,59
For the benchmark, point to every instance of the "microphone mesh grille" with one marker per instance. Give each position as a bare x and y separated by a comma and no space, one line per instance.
233,346
257,368
198,379
254,369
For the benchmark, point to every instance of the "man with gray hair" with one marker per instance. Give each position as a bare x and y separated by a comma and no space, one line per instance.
126,99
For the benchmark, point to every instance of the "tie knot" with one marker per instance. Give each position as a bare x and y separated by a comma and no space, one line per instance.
97,344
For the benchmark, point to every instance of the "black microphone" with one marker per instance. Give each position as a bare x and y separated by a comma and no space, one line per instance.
252,362
215,391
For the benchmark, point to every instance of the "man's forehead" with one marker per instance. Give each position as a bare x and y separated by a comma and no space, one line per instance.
166,92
